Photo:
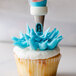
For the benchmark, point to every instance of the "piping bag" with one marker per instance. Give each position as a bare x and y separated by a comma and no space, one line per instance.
38,9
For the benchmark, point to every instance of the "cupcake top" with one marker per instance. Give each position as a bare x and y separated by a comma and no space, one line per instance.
40,43
28,53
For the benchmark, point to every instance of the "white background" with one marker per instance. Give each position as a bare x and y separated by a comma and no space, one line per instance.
15,14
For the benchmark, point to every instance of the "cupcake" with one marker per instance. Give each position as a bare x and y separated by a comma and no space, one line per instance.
37,54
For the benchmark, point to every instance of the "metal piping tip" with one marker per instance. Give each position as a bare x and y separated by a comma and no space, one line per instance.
39,29
39,19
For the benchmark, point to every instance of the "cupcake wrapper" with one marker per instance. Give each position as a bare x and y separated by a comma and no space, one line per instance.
42,67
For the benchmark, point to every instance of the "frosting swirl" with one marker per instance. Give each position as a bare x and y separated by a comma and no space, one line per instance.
43,41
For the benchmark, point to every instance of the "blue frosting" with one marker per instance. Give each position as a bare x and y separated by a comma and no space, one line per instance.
45,41
38,3
39,29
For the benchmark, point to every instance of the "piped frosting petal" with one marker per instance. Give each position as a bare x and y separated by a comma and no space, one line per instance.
46,41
